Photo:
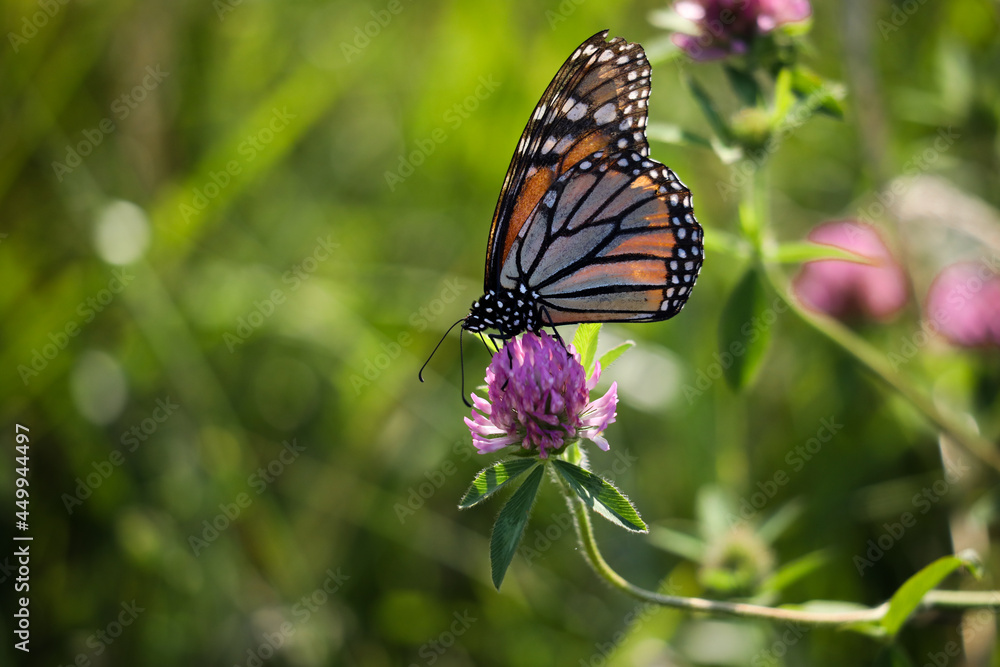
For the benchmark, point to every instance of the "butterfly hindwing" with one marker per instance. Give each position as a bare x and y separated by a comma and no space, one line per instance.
613,239
596,102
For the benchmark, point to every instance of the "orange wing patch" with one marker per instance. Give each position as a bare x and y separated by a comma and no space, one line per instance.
597,276
656,243
589,144
534,189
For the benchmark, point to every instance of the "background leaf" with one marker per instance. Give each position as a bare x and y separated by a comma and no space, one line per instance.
905,600
796,252
744,85
509,526
744,331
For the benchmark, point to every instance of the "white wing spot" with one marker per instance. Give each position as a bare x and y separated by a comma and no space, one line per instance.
568,105
681,233
577,112
563,144
586,164
547,146
539,112
605,114
622,60
681,253
625,124
689,266
623,162
674,199
590,48
623,142
634,95
606,56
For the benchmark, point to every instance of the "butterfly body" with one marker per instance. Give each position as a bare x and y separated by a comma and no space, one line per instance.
588,227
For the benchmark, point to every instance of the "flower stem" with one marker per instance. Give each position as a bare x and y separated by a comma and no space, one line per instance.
876,362
754,212
932,600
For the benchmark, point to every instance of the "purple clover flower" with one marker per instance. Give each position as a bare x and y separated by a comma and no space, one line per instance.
729,26
963,304
539,397
843,289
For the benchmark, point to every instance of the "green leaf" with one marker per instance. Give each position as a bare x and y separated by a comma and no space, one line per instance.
794,570
908,597
892,656
611,355
601,496
725,243
509,528
678,543
492,479
744,331
784,98
795,252
675,134
775,525
744,85
585,342
819,94
718,125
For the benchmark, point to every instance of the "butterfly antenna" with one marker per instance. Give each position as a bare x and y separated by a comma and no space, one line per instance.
420,375
461,358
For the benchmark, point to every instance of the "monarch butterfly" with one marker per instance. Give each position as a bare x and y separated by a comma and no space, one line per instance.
588,227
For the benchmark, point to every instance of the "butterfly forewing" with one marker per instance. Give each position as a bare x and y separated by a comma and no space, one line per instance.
613,239
596,102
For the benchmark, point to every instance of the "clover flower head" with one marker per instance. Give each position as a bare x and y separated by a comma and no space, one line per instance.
963,304
539,398
841,288
727,27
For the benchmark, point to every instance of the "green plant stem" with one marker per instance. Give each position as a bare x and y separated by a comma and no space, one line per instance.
754,212
877,363
932,600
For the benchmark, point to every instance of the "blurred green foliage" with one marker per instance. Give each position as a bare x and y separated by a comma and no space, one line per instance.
196,213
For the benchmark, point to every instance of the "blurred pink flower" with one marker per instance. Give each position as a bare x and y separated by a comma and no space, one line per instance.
963,304
841,288
729,26
539,398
